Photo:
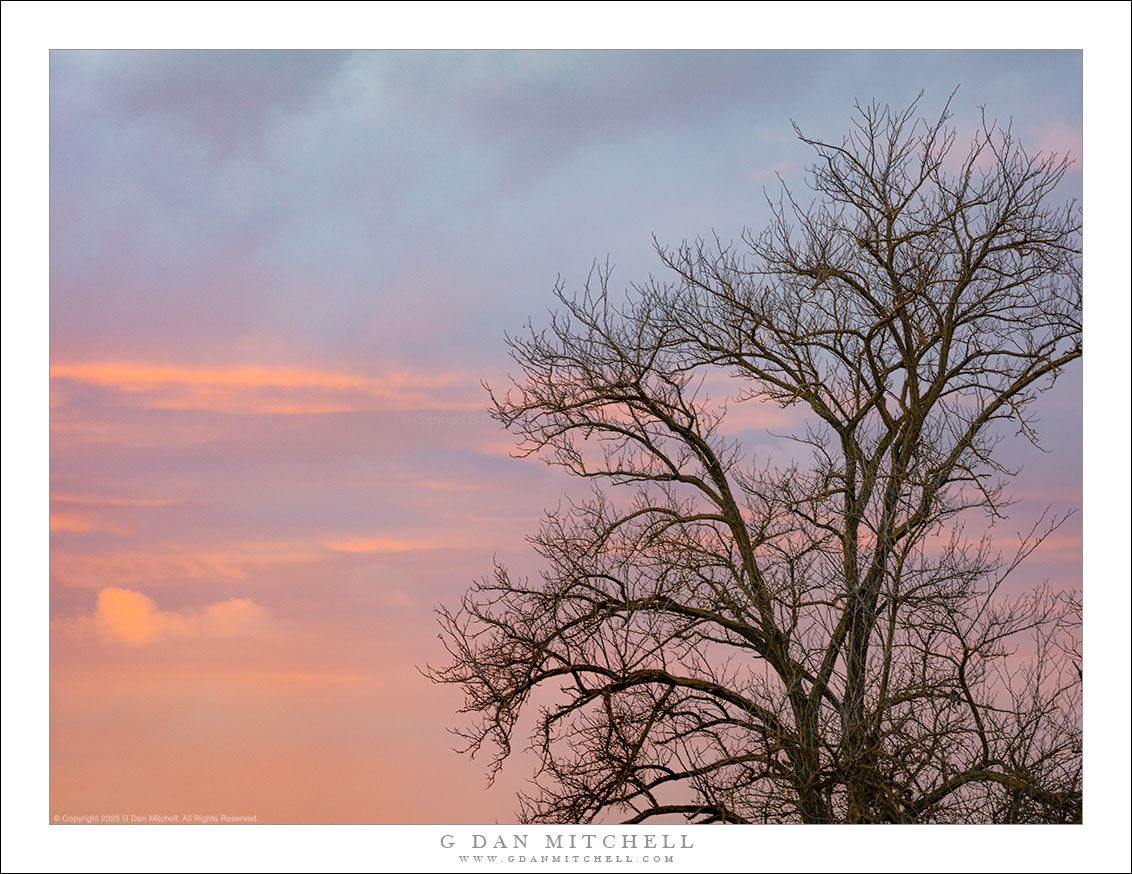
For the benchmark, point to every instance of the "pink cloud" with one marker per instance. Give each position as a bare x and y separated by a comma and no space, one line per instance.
771,171
1055,137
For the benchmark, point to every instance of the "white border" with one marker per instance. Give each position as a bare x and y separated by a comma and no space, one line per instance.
30,29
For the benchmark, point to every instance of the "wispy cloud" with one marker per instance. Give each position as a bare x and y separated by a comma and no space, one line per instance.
81,522
173,563
110,502
389,544
280,390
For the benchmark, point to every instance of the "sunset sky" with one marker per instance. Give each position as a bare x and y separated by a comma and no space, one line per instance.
276,283
277,280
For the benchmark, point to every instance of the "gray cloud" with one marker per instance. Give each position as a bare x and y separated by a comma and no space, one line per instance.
393,205
221,99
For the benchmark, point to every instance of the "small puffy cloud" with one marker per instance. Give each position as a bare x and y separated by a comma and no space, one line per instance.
131,617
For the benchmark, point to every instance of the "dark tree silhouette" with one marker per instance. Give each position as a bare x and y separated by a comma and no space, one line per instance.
813,638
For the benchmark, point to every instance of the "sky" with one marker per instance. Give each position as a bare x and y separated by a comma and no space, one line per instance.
277,282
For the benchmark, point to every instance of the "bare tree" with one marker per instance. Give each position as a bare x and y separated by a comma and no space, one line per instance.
815,637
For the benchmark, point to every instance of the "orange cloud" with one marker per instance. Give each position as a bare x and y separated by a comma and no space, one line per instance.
377,544
274,390
83,514
77,522
395,544
320,678
131,617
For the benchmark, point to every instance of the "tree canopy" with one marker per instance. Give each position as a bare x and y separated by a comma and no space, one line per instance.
828,634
